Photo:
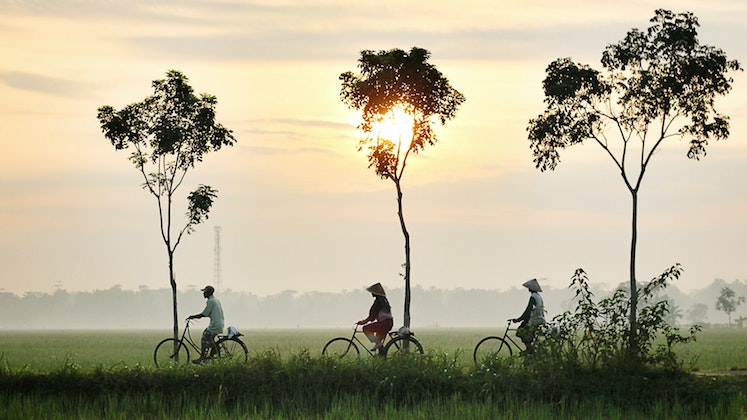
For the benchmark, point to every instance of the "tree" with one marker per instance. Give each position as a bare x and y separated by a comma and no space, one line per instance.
740,321
698,313
674,314
393,86
728,301
655,85
169,132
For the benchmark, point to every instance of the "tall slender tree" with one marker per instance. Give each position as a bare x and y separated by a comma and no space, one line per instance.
728,301
655,85
398,85
168,133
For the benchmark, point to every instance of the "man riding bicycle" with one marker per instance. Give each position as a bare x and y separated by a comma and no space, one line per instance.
213,310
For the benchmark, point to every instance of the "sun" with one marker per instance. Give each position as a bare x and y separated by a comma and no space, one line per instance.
396,126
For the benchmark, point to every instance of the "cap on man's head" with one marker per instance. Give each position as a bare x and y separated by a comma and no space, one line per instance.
209,289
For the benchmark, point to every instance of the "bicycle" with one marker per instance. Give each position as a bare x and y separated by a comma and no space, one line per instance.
493,347
227,346
342,347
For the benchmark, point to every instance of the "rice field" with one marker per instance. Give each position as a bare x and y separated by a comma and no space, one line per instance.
714,350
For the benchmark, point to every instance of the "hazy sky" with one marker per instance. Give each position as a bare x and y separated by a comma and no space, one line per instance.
298,208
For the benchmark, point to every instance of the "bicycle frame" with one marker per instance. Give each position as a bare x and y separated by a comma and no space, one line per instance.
357,331
398,344
507,337
171,350
486,345
186,338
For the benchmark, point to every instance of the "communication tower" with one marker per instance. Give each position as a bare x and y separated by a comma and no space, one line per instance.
216,263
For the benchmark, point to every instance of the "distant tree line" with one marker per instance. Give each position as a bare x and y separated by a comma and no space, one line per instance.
118,308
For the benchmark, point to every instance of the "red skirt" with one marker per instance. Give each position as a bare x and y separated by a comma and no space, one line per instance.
379,328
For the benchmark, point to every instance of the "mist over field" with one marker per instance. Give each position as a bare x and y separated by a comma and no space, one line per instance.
118,308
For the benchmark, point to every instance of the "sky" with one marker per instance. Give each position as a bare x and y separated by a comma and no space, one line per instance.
297,207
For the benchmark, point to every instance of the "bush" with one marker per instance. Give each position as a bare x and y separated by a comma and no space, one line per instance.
596,335
302,386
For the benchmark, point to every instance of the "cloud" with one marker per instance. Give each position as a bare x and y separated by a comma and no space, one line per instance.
297,122
346,44
42,84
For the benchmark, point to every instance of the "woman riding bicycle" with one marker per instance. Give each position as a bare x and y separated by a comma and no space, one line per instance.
381,313
533,316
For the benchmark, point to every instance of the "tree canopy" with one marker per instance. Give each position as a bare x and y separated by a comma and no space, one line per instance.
398,79
728,301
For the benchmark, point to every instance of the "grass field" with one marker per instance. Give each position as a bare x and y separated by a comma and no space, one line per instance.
714,350
110,374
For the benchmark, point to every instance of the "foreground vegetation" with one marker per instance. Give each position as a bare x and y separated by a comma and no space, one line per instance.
303,385
111,375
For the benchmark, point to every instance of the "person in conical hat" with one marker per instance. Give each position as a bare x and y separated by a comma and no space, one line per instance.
376,290
533,285
380,320
533,316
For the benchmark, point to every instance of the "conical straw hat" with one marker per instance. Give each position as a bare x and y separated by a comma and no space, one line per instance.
377,290
532,285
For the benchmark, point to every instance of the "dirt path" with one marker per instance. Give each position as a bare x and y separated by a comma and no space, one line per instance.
721,372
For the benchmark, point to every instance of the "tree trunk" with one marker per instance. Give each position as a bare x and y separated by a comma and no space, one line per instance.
632,338
406,314
172,278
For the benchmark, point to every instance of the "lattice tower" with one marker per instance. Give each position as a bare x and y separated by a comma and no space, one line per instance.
216,264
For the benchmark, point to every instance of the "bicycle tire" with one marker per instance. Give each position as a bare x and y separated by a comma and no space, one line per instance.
230,349
341,348
491,348
401,346
164,355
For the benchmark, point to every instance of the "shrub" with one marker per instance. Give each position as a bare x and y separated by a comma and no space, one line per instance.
595,335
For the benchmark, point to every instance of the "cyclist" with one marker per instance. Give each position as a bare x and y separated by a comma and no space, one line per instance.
213,310
381,313
533,316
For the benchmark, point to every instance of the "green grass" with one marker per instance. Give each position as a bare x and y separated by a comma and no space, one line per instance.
306,386
715,349
97,374
151,407
718,349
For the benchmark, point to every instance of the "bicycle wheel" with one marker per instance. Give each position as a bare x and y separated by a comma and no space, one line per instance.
230,349
341,348
491,348
164,355
401,346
